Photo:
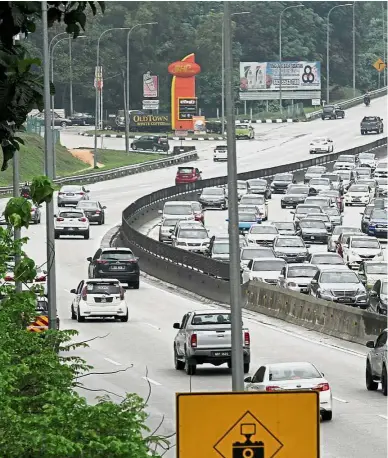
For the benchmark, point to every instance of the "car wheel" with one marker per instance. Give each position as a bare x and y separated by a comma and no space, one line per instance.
63,124
80,318
136,284
384,381
246,368
73,315
56,235
133,146
179,365
190,369
124,318
87,236
371,385
327,415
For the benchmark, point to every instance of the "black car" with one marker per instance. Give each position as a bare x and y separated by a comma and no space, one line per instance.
332,112
82,119
93,210
295,194
366,217
119,263
259,186
281,181
311,230
378,297
213,198
151,142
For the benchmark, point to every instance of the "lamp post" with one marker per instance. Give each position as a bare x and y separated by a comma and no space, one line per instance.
280,53
97,111
354,49
328,48
223,70
127,85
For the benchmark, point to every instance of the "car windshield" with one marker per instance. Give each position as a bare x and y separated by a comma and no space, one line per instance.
321,217
379,214
317,201
251,201
247,217
366,156
351,230
263,230
370,183
242,126
365,243
345,158
211,319
316,170
259,200
193,234
71,189
331,177
221,248
358,188
253,253
332,211
384,288
170,222
283,372
301,271
285,226
364,171
328,108
370,119
196,206
71,214
242,185
257,183
289,242
213,192
382,181
262,266
344,175
297,190
87,204
305,210
376,268
116,255
178,209
221,147
103,287
341,276
319,181
282,178
327,258
312,224
186,170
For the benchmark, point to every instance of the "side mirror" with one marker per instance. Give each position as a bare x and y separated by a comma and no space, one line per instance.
248,379
361,213
104,207
160,212
73,291
308,245
45,272
176,326
87,190
292,212
294,181
373,293
370,344
313,282
55,216
159,224
227,219
89,259
173,237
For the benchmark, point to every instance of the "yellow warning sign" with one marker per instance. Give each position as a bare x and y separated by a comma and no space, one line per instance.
248,425
379,65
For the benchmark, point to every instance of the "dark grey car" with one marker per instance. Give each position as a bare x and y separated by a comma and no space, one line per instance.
94,211
213,198
295,194
281,181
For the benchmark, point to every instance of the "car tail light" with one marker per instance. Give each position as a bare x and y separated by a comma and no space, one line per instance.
272,388
247,339
82,219
8,278
98,212
322,387
81,193
193,341
61,193
60,219
101,261
84,293
41,278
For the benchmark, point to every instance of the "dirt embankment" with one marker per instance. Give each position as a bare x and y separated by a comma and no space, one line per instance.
85,155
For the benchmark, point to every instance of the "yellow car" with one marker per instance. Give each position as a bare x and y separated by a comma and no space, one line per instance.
245,131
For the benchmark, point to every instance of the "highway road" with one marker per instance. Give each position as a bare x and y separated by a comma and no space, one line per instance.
360,418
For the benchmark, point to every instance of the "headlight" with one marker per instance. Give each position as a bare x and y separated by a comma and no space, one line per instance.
325,292
181,244
252,277
292,284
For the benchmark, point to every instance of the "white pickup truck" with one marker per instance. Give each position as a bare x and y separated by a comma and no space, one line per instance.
205,337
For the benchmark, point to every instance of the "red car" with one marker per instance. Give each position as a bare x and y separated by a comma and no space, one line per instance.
187,175
199,214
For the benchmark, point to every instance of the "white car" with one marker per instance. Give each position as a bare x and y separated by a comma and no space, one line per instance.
360,248
293,376
248,253
367,159
315,171
220,153
191,236
242,188
262,234
99,297
381,170
71,222
260,203
362,172
266,270
325,260
345,162
40,279
358,194
321,145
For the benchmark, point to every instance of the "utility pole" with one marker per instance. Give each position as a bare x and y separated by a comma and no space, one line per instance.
223,80
354,50
49,170
70,77
234,244
126,113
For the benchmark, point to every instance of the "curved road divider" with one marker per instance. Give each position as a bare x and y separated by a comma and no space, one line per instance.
204,275
93,177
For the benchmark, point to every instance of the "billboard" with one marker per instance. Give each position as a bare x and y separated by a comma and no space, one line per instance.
150,85
143,120
264,76
187,108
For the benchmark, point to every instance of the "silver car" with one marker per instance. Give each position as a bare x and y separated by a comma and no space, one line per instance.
191,237
248,253
297,277
314,172
71,195
325,260
335,216
166,228
334,237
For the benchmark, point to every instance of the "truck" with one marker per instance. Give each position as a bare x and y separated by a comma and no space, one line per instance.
372,124
204,337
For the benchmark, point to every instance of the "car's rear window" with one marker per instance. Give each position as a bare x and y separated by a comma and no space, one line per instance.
103,288
211,319
292,372
41,307
71,189
185,170
117,256
71,215
87,204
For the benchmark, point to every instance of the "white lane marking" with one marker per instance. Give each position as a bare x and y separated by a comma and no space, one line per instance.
341,400
152,326
383,416
112,362
147,379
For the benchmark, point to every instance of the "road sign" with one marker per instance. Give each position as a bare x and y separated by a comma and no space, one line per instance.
248,425
315,102
181,133
379,65
150,104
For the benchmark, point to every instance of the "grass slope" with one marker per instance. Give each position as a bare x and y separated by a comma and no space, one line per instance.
113,158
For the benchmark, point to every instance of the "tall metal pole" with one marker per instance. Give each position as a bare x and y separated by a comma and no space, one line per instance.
354,50
16,193
235,285
52,108
384,47
223,80
70,76
49,169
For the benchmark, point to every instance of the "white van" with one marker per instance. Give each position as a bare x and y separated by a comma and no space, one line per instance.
177,209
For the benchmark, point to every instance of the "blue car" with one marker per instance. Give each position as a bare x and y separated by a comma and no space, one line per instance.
246,220
378,223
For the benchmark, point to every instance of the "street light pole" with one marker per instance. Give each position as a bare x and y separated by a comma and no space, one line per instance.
354,49
328,48
280,53
49,170
234,244
70,77
126,114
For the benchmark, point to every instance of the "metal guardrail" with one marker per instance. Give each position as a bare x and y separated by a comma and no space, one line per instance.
120,171
350,103
143,209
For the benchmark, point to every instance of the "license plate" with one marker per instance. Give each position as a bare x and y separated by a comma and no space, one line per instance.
221,353
345,299
71,228
70,194
117,267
